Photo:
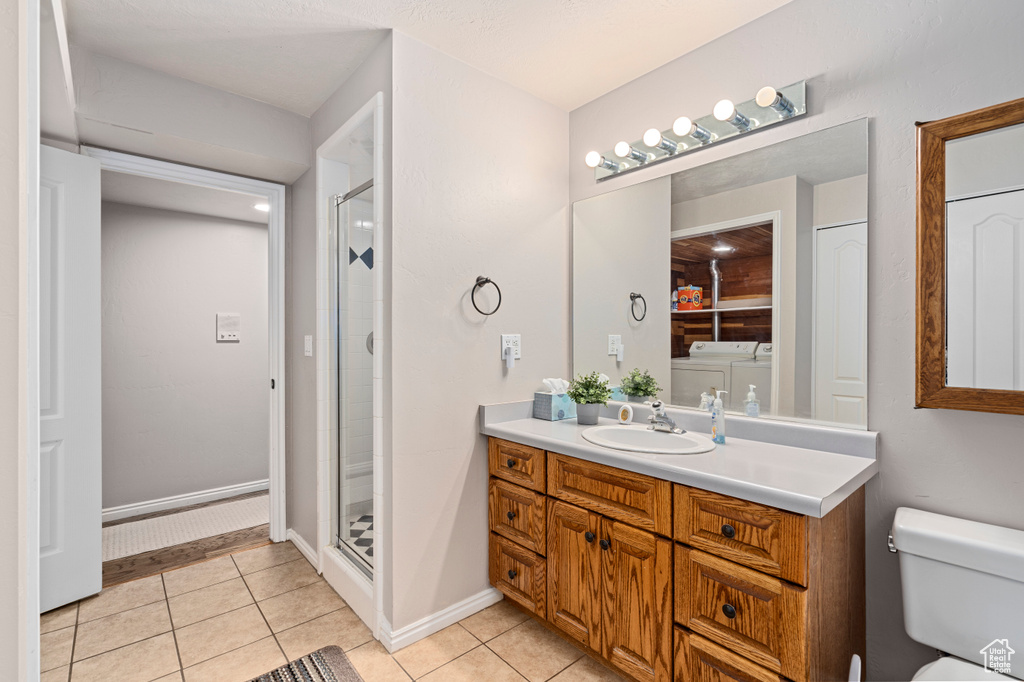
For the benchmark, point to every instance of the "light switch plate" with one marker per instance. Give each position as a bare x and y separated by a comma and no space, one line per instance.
229,327
614,341
513,341
307,345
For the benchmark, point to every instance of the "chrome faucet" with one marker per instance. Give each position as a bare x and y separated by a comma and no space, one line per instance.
661,421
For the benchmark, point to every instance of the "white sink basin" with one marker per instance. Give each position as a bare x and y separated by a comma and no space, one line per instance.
639,438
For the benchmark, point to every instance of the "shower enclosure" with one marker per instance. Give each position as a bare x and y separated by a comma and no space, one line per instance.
353,231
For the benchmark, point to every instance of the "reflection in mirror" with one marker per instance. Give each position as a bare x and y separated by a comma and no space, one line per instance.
755,273
985,260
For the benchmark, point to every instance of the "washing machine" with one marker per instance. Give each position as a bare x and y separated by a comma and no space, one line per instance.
710,365
756,371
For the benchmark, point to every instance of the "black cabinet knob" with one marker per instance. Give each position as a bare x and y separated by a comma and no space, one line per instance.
589,536
511,463
605,544
512,574
728,531
511,515
729,610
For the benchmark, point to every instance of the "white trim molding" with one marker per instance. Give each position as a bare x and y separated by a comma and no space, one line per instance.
304,548
275,195
393,640
125,511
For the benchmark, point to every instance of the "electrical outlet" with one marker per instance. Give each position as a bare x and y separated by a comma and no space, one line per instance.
614,341
514,342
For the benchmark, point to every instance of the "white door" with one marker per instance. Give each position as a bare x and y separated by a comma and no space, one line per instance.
985,295
840,324
70,519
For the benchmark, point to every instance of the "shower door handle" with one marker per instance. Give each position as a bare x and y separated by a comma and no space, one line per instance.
369,343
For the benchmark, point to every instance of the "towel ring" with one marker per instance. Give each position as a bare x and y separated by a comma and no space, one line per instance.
632,306
480,282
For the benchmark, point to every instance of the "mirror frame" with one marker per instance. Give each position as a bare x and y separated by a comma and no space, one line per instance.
932,391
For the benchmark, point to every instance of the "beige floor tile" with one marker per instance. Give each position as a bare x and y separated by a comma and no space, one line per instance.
588,670
298,606
479,664
58,619
434,651
199,576
253,560
271,582
55,648
536,652
123,597
374,664
493,621
341,628
239,665
220,634
173,677
208,602
56,675
111,632
139,662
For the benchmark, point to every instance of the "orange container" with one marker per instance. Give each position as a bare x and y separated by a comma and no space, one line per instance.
691,298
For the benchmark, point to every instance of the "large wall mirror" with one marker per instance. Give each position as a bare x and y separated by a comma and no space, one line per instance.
970,268
754,273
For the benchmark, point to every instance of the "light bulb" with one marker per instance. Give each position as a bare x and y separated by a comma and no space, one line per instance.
684,127
722,248
597,160
654,138
725,111
624,150
262,207
769,97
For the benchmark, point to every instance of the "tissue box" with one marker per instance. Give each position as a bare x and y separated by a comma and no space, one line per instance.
553,407
617,394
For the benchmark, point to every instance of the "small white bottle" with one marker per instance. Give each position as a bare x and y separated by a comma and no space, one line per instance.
718,419
752,406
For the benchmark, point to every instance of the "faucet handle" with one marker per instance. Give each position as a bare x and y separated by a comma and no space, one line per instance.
658,407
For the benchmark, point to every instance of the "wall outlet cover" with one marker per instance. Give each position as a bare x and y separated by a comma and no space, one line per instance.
513,341
614,341
229,327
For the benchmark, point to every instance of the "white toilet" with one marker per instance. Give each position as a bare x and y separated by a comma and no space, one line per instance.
963,593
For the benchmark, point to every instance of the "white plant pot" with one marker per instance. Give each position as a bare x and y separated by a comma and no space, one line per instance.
588,413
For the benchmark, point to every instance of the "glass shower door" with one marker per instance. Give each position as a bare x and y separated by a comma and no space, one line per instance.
355,374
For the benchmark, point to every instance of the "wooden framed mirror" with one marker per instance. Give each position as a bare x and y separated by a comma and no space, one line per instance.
970,261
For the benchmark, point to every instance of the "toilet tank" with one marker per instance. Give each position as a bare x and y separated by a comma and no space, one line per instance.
963,584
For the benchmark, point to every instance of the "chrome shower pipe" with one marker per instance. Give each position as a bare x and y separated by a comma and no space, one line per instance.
716,290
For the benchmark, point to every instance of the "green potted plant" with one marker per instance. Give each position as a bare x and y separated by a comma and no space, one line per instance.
639,386
589,392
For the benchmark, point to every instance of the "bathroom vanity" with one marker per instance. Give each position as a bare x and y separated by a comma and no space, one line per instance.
744,563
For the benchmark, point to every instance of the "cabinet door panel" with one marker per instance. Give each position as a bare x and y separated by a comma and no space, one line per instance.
574,604
518,573
518,514
517,463
637,568
701,660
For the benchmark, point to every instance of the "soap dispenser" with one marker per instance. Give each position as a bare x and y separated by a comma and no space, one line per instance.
752,406
718,419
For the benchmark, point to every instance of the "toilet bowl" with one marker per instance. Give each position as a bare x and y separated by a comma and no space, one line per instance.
963,594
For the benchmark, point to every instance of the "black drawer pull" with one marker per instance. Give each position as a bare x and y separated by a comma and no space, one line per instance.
511,463
511,515
512,574
728,531
589,536
605,544
729,610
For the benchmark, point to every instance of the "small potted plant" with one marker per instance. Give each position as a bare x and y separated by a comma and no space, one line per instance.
639,386
589,393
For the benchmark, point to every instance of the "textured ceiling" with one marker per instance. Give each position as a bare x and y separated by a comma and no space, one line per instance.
137,190
294,53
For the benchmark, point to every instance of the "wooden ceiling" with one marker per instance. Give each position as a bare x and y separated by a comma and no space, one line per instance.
746,242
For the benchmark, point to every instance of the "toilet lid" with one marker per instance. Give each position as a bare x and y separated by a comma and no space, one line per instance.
952,669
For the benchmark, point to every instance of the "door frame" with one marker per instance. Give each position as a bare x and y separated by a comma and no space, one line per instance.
275,196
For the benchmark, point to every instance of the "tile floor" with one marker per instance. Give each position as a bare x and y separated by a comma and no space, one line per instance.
238,616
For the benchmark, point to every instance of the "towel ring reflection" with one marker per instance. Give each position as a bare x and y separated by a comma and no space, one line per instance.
632,306
480,282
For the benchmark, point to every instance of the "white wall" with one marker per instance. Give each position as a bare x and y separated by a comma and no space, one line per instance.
182,412
841,201
621,244
897,63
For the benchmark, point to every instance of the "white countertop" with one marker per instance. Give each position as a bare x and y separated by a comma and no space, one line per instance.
800,480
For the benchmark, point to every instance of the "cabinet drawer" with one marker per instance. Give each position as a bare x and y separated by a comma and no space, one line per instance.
517,463
635,499
518,514
701,660
766,539
518,573
755,615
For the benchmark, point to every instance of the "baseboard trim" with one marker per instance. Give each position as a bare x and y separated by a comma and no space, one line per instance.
410,634
163,504
305,548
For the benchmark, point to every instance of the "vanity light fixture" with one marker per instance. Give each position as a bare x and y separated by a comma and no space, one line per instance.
654,138
769,97
625,150
684,127
725,111
597,160
262,207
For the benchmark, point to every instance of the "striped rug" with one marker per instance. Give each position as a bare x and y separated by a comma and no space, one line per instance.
329,664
